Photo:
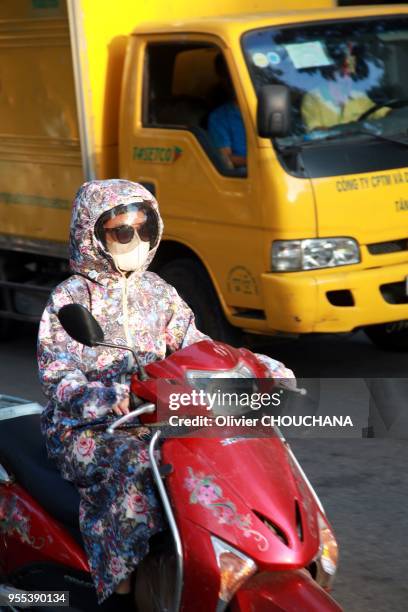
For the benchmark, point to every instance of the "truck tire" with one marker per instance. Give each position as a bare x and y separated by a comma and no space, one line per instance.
389,336
194,286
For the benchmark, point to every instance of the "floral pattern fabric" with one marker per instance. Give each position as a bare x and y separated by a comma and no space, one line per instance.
119,509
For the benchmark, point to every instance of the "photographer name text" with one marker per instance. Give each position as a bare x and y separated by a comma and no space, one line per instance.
264,421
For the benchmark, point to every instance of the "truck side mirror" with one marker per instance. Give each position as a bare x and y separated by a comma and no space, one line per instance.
79,323
274,110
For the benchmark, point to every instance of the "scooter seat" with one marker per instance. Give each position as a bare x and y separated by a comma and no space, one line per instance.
23,453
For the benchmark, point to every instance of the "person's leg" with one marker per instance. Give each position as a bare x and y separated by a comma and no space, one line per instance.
119,508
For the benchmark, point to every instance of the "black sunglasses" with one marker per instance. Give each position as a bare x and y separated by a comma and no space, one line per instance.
147,232
125,233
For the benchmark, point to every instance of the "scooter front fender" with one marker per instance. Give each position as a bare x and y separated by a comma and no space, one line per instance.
292,591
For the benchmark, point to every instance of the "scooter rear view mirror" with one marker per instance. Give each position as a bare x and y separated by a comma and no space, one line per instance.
79,323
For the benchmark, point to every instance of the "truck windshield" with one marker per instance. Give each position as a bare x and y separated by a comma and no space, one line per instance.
346,78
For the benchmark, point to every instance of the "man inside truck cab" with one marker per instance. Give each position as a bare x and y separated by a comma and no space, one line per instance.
225,125
338,99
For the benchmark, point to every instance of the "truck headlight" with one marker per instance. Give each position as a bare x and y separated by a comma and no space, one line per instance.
313,253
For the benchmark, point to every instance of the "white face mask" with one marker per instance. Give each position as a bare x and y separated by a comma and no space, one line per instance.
131,256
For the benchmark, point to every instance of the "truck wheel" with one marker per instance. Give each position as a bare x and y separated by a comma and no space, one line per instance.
192,283
389,336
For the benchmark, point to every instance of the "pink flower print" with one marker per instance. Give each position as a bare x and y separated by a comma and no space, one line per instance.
84,448
143,457
90,412
190,483
54,366
62,389
103,360
98,528
136,505
117,566
225,514
206,494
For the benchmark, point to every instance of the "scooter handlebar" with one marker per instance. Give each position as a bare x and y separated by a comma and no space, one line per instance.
144,409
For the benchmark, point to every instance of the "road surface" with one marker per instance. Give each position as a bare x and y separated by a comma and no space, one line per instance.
363,483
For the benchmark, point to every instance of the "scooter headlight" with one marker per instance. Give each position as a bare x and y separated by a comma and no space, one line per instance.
327,560
235,568
231,383
199,378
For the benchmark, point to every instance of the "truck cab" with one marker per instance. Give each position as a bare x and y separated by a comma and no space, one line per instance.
311,234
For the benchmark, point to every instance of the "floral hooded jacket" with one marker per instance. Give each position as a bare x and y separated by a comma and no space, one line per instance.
83,384
140,310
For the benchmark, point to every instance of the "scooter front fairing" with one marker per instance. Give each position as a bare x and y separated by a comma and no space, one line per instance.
246,493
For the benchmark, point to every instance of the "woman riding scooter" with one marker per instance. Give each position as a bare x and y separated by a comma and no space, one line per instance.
115,231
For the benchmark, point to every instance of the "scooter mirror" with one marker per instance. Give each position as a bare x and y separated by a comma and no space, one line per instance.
80,324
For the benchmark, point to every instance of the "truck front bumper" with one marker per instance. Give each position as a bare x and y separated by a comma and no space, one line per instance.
335,301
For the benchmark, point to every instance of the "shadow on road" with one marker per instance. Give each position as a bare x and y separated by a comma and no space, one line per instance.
346,355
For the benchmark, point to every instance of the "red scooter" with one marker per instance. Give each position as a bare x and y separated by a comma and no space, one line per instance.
246,531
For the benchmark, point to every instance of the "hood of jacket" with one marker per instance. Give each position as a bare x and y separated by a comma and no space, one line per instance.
87,255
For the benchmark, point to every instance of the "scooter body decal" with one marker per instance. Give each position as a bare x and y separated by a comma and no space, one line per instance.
207,493
14,521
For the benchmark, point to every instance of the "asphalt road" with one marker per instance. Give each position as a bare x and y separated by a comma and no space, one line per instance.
363,483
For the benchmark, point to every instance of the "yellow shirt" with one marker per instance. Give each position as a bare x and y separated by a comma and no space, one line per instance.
317,112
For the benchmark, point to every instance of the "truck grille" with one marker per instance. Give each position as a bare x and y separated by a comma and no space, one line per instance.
391,246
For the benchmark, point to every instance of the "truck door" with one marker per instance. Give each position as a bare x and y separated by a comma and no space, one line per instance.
179,149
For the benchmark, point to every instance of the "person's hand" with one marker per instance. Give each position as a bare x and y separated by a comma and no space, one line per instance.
143,433
285,376
122,408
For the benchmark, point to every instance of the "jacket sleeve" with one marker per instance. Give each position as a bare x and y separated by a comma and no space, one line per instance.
61,371
181,330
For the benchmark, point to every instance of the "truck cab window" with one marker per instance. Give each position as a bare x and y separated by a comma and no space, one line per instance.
188,86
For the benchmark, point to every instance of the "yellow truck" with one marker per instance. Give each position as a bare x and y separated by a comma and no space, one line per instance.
275,141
